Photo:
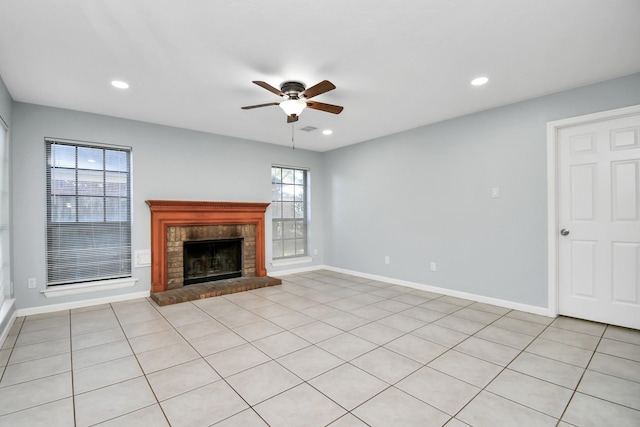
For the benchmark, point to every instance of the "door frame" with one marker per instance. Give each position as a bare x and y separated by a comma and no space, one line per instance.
553,130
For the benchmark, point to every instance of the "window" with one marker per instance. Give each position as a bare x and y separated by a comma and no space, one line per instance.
289,211
88,212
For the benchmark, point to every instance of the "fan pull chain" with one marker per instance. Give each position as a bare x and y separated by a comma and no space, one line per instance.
293,144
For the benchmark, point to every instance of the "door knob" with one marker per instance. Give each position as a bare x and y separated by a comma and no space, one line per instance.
564,232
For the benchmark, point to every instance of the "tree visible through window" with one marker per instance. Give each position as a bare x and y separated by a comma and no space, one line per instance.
88,212
289,211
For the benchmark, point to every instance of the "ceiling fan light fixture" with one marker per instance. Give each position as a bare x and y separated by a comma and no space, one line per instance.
296,98
293,106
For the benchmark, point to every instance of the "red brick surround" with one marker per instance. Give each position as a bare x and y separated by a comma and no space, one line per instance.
179,213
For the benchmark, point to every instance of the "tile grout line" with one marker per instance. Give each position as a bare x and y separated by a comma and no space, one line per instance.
12,349
504,369
575,390
452,348
73,390
423,365
141,370
524,350
203,358
345,362
378,346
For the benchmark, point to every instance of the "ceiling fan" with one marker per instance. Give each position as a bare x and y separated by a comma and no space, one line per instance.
296,98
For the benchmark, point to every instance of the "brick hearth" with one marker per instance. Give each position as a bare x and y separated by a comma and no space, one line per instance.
213,289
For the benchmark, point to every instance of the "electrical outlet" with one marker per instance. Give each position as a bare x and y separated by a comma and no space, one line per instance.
315,252
433,266
387,260
32,282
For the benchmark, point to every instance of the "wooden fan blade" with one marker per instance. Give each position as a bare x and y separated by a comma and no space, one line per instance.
249,107
268,87
292,118
320,88
329,108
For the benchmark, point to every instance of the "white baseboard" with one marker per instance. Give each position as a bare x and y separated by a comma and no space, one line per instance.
80,304
542,311
298,270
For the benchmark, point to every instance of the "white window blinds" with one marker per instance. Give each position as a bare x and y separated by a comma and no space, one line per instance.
88,212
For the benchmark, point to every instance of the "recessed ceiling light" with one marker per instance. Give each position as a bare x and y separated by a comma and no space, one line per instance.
120,84
479,81
327,132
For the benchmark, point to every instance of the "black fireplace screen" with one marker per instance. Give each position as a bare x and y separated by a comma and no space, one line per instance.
209,260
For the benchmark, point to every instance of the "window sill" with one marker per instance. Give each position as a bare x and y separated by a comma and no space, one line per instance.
83,288
291,261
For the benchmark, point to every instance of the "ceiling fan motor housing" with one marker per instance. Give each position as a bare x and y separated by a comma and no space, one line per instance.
292,89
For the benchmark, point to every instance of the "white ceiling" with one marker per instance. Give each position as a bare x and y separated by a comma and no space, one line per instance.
397,64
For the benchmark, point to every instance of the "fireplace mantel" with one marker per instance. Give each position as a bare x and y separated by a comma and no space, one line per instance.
168,213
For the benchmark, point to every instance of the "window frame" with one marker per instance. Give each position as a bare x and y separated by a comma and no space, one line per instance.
119,251
299,220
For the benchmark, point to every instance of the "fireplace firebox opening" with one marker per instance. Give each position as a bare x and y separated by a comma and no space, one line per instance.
211,260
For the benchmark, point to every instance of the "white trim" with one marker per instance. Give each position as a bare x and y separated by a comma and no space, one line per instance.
83,288
299,270
87,143
542,311
552,226
6,309
302,168
553,128
81,304
291,261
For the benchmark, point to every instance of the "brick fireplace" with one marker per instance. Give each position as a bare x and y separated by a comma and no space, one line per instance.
173,222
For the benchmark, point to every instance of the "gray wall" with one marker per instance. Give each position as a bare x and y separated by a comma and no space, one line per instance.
425,195
417,196
168,163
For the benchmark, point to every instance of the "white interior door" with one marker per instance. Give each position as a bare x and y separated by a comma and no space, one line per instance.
599,221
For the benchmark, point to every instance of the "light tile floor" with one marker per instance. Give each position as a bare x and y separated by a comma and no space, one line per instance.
321,349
